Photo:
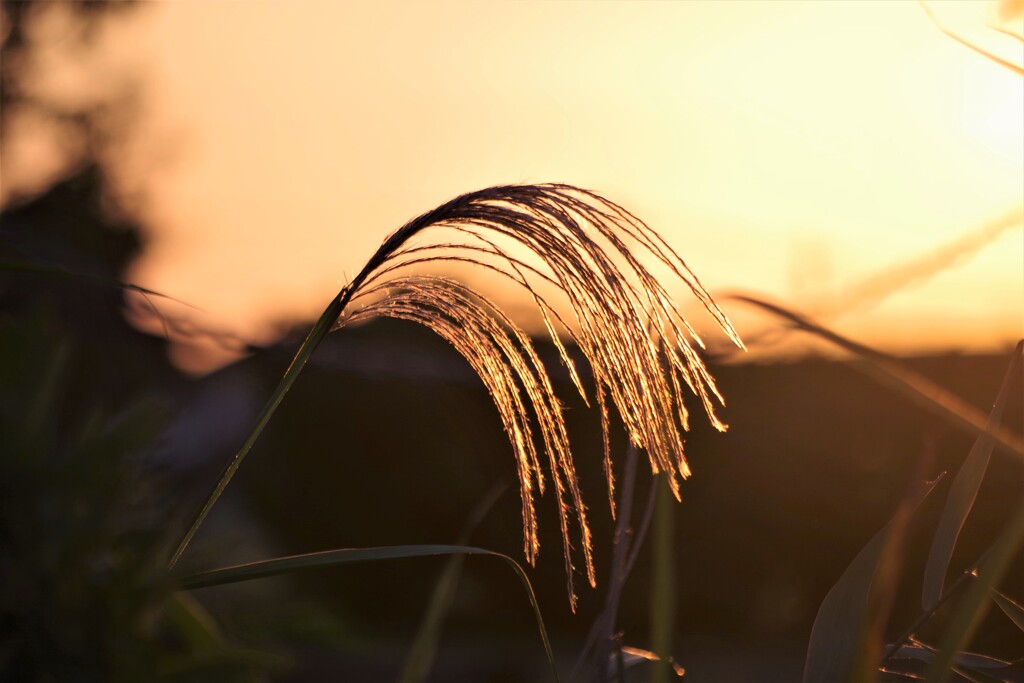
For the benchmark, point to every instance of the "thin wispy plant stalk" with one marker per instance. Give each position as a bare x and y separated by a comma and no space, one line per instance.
419,661
617,576
344,556
919,389
1005,63
641,351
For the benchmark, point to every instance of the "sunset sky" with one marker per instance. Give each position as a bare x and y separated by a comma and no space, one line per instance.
803,151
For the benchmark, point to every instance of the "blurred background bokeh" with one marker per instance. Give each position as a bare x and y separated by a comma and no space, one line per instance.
795,149
847,159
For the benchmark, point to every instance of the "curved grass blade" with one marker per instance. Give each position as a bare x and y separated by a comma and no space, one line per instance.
962,495
1010,608
911,669
209,649
47,269
1007,32
194,624
919,389
641,349
57,271
316,335
968,44
334,558
976,601
839,630
424,646
925,653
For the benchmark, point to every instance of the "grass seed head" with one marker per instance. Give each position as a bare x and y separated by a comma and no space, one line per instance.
640,348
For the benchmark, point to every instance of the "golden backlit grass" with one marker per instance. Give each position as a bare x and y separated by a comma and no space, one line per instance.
641,349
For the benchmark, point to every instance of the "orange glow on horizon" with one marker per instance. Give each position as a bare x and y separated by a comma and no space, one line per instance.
790,149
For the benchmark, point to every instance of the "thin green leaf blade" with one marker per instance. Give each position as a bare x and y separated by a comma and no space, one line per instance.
421,654
922,391
975,603
208,650
193,623
921,652
334,558
962,495
838,630
663,593
420,659
302,356
1010,608
57,271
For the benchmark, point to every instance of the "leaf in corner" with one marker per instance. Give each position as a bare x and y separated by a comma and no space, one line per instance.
836,637
962,495
1010,608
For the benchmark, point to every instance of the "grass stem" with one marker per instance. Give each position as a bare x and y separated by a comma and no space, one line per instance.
316,335
663,594
617,578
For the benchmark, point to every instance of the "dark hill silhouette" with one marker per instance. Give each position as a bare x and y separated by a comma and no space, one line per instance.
389,439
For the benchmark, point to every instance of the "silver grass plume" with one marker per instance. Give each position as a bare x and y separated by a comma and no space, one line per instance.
640,348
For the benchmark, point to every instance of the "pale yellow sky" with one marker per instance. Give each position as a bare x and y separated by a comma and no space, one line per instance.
790,149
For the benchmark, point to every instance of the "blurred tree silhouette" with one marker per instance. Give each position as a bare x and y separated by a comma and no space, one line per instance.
84,593
71,228
75,129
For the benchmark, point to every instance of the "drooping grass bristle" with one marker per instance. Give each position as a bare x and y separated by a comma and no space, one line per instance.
640,348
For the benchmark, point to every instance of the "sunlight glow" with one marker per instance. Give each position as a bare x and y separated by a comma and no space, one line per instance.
992,109
280,143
